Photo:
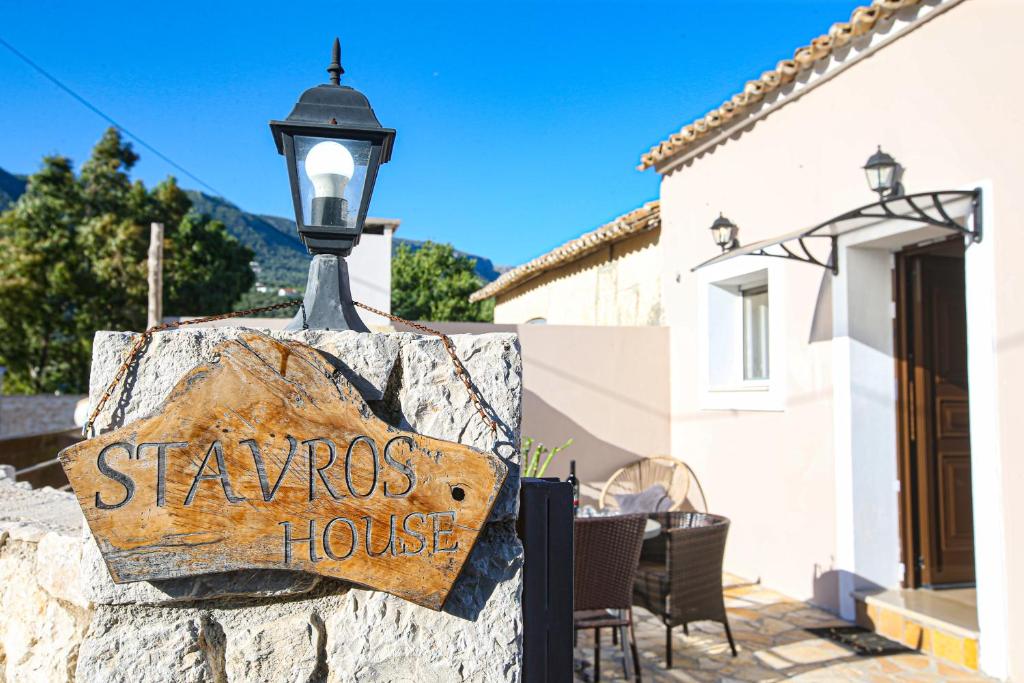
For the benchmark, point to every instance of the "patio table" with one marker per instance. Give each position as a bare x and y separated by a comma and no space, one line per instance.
651,529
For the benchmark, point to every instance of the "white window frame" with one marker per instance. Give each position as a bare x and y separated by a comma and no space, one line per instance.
720,326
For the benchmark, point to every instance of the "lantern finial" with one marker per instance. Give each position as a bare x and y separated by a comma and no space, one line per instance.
335,69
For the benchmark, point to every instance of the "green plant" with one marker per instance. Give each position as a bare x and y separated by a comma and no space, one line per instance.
533,466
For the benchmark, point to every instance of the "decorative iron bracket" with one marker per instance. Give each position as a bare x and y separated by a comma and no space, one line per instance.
923,208
918,214
806,257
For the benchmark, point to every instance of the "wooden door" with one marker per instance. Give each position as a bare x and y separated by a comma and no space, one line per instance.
936,467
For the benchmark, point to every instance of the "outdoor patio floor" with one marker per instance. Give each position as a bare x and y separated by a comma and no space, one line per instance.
772,646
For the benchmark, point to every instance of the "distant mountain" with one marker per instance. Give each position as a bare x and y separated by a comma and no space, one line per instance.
282,257
283,260
11,187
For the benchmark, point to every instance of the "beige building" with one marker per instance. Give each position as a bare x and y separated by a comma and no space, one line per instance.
610,276
851,405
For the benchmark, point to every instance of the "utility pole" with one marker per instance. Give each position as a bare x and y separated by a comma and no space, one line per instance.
155,310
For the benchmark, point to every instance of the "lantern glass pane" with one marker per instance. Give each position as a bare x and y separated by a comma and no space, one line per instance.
873,178
722,235
880,177
332,175
885,176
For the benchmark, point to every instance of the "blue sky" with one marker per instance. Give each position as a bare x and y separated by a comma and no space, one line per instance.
519,123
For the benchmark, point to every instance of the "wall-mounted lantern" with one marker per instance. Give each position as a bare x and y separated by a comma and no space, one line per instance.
883,174
724,232
333,145
956,211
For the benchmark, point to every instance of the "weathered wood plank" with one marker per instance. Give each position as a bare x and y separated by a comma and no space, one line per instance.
262,459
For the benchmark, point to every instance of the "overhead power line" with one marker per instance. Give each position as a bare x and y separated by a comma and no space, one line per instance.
106,117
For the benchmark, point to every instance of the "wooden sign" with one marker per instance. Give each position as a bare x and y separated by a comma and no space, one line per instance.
264,459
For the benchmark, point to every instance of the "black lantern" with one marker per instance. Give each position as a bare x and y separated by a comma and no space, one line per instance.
724,232
333,145
883,174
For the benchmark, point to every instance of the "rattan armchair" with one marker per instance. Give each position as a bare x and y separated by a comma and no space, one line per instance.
680,574
607,550
680,483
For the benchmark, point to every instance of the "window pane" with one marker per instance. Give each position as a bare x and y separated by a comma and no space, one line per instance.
755,333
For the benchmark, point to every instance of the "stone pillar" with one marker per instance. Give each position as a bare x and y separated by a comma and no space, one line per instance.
278,625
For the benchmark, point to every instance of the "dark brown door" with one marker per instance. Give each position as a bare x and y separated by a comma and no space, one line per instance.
936,463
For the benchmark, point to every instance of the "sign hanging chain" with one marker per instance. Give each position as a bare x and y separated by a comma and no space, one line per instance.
460,369
143,339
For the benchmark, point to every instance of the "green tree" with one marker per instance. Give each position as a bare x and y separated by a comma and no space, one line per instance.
434,283
211,268
73,260
40,268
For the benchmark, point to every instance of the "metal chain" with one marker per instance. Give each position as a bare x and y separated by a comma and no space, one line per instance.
449,346
143,339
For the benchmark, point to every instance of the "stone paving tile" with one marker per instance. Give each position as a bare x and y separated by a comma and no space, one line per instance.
772,644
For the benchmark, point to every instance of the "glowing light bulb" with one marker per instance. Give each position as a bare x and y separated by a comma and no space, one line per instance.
329,166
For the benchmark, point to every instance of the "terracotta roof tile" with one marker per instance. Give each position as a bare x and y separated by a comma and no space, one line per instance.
646,217
862,21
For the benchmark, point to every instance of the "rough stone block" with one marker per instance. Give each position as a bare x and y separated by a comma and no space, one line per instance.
39,636
366,360
59,568
130,644
436,403
378,637
282,642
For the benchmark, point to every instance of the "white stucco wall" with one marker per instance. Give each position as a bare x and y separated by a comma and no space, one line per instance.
369,268
867,509
943,100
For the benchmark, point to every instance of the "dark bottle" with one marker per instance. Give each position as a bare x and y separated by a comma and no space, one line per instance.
575,487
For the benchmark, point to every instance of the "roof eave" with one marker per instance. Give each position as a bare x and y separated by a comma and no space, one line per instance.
747,106
637,221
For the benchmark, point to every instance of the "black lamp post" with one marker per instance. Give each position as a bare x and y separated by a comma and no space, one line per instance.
724,232
883,174
333,146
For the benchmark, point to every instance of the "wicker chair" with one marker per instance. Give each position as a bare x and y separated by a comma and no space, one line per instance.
607,550
675,476
680,573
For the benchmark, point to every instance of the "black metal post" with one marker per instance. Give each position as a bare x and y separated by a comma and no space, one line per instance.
545,526
327,304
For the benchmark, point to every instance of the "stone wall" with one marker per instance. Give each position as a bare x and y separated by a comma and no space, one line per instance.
61,617
20,415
